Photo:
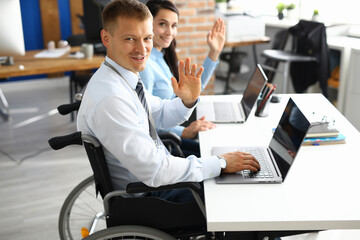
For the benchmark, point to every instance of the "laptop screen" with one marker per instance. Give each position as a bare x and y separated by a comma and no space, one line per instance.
288,137
253,90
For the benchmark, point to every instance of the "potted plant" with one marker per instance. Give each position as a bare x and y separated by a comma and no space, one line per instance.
290,11
290,6
315,15
221,5
280,8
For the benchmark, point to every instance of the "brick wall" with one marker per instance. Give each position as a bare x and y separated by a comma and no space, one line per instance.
196,19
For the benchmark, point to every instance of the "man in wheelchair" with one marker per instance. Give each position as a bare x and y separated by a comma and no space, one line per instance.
122,116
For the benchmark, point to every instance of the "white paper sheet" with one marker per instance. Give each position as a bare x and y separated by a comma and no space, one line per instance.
54,53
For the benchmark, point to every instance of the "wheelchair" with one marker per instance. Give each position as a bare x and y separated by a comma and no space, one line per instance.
83,214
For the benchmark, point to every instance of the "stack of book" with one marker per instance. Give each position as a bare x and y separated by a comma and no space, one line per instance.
321,133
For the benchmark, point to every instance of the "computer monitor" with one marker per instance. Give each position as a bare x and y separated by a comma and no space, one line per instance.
92,18
11,41
92,21
11,34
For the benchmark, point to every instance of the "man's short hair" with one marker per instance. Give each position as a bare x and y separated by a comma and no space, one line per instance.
123,8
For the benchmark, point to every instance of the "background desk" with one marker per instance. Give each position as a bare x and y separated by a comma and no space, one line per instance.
347,95
234,46
34,66
252,42
327,199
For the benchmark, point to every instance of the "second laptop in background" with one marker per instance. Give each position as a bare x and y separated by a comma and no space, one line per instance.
234,112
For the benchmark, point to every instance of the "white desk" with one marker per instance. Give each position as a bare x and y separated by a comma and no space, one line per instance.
322,201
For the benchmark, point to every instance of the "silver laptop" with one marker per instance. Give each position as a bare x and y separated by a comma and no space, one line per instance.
234,112
276,159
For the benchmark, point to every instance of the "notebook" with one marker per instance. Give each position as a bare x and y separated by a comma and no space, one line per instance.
234,112
276,159
325,140
322,129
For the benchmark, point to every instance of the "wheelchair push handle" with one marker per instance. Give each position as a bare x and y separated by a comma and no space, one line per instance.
68,108
60,142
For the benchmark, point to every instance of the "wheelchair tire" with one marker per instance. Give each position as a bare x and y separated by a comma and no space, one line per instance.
130,232
79,210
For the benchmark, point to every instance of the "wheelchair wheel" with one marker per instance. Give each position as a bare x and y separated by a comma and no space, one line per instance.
130,232
81,212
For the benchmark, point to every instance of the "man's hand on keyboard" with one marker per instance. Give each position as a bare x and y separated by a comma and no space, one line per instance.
238,161
199,125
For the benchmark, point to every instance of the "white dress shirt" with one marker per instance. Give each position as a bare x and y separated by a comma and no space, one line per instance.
111,111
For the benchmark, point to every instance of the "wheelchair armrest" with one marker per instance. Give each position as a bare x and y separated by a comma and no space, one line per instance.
139,187
68,108
170,136
60,142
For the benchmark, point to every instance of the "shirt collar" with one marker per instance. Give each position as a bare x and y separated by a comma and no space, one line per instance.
130,77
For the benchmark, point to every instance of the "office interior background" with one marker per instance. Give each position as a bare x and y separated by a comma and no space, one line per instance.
333,12
42,26
35,180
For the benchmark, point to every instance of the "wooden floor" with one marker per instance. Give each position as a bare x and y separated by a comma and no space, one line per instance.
35,180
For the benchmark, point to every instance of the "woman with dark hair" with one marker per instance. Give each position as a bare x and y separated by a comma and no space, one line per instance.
163,63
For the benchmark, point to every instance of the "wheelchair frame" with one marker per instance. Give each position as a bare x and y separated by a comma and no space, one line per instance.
64,225
66,222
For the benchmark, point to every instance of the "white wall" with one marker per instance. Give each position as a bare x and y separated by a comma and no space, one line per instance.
343,11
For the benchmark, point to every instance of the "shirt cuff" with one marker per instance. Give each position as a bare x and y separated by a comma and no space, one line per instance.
210,63
209,68
183,108
211,167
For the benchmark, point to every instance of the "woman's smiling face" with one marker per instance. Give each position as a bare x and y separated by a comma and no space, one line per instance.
165,28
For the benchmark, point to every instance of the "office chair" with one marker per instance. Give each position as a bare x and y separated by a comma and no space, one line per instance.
278,43
233,59
308,62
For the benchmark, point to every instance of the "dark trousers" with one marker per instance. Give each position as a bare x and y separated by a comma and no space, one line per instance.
182,195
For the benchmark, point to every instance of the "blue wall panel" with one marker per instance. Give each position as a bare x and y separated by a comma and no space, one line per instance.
31,20
30,13
65,18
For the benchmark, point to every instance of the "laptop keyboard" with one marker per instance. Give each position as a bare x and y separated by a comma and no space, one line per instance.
224,111
265,171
